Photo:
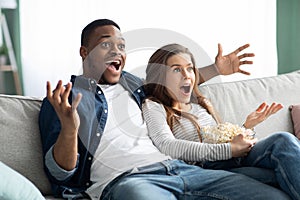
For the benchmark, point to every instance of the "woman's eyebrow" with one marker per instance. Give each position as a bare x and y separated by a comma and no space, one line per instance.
178,65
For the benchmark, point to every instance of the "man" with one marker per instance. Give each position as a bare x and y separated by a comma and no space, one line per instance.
96,143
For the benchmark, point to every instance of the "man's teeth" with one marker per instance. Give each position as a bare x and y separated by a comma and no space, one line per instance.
115,62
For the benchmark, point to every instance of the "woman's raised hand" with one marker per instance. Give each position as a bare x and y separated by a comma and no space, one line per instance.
261,114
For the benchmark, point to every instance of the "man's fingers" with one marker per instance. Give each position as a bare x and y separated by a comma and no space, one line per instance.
65,92
57,91
49,90
220,50
241,48
245,55
246,62
244,72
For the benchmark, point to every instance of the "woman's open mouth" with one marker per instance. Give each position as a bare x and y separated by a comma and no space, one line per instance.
186,89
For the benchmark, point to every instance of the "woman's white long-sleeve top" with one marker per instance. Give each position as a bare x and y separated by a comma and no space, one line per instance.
184,142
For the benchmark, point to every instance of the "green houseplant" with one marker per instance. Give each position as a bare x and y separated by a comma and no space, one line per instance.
3,55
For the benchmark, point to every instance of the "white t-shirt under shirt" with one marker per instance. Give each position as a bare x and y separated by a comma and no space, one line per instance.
125,143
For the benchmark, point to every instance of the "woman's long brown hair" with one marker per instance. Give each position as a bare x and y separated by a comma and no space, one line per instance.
156,89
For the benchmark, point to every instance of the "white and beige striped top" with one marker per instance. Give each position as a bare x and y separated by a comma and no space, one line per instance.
184,142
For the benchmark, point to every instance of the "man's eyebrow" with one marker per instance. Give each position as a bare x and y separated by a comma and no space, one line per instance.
109,36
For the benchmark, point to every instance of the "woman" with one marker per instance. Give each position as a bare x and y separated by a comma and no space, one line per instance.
175,110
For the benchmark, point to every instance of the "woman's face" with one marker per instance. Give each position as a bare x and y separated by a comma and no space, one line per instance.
180,78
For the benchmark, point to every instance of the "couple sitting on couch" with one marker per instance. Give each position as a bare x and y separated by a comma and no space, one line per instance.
96,143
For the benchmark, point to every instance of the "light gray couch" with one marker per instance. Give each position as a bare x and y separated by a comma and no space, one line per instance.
235,100
20,143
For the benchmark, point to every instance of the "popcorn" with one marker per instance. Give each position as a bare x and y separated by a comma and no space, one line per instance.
224,132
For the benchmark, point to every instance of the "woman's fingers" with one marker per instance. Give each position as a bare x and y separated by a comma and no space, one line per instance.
270,110
261,107
274,108
277,108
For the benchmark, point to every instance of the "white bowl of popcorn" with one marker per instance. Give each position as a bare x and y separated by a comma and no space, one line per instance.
224,132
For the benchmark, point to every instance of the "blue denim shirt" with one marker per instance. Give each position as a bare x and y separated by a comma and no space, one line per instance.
93,111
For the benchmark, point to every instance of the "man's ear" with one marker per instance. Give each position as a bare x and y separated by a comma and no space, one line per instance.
83,52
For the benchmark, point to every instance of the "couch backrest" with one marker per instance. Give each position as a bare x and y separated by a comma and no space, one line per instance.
235,100
20,143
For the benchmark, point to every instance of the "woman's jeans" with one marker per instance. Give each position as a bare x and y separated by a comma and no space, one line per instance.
174,179
280,152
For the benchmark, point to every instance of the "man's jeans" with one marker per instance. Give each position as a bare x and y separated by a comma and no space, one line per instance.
280,153
174,179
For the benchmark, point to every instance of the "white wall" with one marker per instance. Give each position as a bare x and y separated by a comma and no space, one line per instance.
50,33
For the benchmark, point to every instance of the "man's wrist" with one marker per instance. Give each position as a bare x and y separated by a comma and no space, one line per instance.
208,72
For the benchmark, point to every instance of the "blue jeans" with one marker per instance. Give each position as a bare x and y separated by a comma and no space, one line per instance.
174,179
280,152
263,175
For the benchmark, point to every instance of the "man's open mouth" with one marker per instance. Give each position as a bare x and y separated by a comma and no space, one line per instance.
114,63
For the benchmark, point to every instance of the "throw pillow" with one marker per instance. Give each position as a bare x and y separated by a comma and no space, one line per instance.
295,113
15,186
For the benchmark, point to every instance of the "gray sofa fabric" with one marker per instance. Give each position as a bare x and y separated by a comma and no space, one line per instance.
20,143
20,146
235,100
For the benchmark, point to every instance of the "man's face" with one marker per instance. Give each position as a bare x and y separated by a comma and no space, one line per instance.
105,55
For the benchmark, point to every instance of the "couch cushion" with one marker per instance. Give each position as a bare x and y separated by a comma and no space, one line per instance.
235,100
295,113
20,143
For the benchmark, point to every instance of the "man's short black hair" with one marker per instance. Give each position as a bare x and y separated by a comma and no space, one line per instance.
91,27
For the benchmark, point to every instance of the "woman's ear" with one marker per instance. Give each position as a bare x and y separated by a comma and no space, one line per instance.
83,52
